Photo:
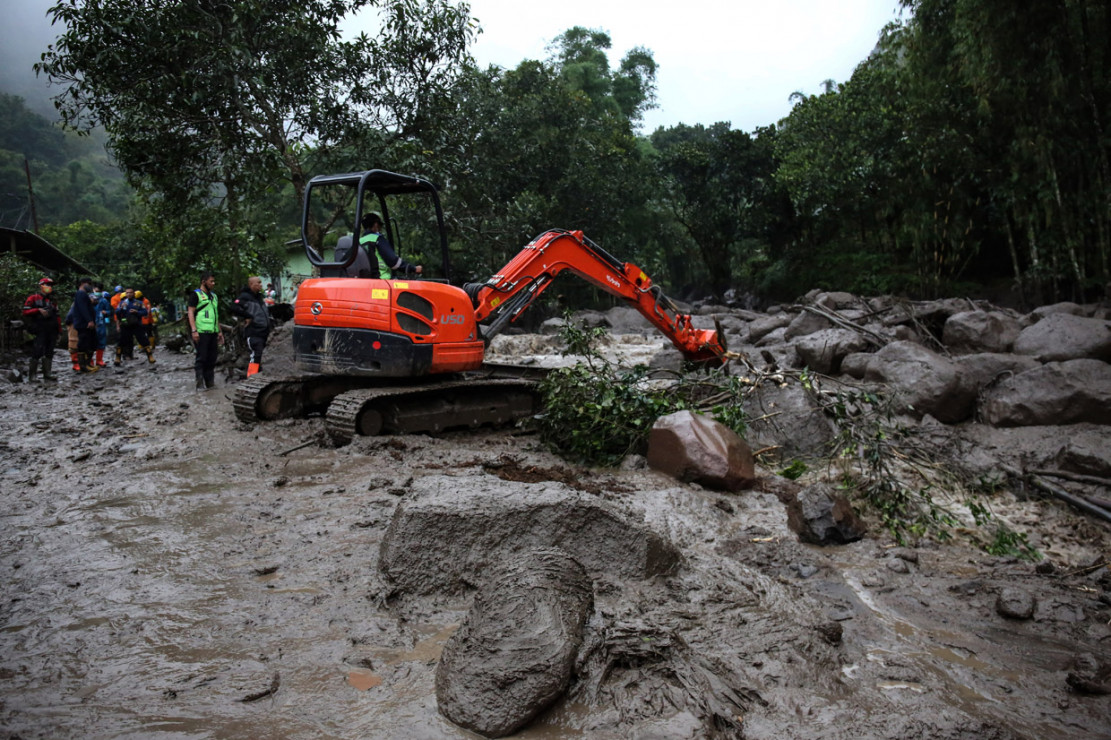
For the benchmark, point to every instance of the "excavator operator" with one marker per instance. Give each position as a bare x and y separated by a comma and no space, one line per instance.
389,263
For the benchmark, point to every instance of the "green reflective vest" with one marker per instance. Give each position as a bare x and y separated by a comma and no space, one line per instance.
367,241
206,312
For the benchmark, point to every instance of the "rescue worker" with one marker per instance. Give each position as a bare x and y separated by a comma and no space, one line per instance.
130,313
103,310
388,261
42,318
84,322
202,310
251,306
145,335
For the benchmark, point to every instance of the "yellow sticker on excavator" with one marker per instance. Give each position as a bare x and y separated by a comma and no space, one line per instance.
495,303
378,294
643,278
401,285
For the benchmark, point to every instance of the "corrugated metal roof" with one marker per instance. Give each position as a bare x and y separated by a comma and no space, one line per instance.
39,252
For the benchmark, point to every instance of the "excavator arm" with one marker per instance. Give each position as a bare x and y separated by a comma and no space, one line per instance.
506,295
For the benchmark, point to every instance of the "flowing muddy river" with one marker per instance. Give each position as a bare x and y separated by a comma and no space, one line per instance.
172,573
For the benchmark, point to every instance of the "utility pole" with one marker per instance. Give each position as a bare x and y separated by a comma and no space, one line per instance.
31,195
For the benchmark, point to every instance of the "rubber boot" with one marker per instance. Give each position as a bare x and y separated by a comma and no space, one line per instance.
150,354
200,381
86,363
33,370
47,364
100,359
119,354
75,359
252,368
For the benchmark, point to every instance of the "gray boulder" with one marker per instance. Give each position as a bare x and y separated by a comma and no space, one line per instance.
626,320
789,419
855,364
1064,336
444,538
981,370
761,327
824,350
925,382
972,332
1068,307
806,323
695,448
820,515
515,652
1056,393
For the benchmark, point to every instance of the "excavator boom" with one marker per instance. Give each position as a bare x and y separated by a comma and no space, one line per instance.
504,296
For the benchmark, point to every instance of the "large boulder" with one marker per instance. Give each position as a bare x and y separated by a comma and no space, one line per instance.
823,351
985,368
515,652
820,515
789,419
765,325
444,537
626,320
970,332
695,448
925,382
1057,393
806,323
1065,336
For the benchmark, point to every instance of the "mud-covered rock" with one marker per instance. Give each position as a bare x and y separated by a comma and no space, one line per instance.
926,382
821,516
1015,603
443,539
765,325
789,419
695,448
515,651
855,364
985,368
971,332
806,323
1056,393
823,351
1087,452
1065,336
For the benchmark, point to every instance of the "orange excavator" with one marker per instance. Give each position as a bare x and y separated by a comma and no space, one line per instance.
406,355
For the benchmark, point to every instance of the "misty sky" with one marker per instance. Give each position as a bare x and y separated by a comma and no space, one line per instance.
719,60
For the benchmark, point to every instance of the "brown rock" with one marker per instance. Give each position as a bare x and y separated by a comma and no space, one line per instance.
695,448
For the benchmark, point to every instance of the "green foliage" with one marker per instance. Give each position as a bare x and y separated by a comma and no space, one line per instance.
867,437
597,413
1004,542
209,108
17,281
795,470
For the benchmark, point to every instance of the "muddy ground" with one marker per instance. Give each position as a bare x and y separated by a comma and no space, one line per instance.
171,573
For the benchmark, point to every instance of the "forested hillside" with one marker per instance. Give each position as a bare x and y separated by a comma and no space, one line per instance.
967,154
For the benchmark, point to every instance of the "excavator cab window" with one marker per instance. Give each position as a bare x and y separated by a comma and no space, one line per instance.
335,205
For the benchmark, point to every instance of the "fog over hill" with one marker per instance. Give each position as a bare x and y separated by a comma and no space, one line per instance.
29,33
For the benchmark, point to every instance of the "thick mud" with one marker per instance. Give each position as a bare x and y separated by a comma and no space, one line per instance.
171,573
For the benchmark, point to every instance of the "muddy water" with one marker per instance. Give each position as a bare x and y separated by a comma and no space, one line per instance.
169,573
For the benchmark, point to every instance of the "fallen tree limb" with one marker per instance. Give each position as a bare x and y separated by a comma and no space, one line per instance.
1067,497
1096,480
844,323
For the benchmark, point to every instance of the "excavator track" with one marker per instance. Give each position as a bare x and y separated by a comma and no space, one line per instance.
265,398
430,407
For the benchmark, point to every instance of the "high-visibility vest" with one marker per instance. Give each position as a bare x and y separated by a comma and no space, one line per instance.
369,242
206,312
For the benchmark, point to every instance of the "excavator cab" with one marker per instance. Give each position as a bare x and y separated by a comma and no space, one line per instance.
334,210
353,326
